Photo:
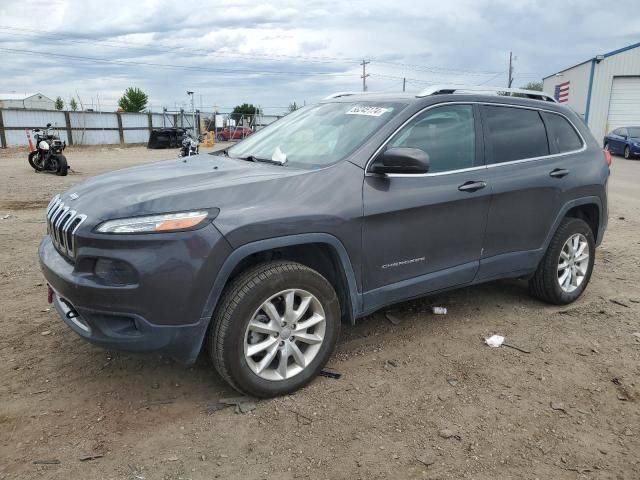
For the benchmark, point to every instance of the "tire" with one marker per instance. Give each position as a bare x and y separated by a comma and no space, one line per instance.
545,283
63,166
607,148
627,152
241,303
32,161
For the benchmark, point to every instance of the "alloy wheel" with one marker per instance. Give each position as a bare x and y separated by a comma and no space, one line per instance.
573,263
284,335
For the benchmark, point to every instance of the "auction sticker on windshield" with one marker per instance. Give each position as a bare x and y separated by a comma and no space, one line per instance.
367,110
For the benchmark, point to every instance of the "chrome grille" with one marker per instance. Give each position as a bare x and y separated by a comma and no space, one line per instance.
62,224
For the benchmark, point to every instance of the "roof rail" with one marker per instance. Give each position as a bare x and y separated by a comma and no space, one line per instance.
442,89
344,94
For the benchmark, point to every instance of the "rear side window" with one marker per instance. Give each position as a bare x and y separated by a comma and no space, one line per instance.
514,134
561,133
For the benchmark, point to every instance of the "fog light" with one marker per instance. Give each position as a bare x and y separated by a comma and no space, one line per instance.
114,272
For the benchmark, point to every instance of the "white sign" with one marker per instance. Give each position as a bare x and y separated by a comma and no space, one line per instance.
367,110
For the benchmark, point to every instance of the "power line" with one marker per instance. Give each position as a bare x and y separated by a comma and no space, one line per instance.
174,66
272,57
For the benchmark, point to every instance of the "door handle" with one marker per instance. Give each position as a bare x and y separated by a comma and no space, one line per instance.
472,186
559,172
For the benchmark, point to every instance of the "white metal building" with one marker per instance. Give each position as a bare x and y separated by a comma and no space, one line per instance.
605,89
32,101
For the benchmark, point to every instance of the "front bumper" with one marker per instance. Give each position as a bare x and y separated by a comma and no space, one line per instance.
161,310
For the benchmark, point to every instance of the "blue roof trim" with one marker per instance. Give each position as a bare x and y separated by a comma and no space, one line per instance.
586,112
606,55
623,49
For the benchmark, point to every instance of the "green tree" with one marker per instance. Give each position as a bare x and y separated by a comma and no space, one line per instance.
244,109
59,103
134,100
73,104
533,86
293,106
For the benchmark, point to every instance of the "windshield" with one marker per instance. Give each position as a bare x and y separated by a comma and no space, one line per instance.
634,131
317,135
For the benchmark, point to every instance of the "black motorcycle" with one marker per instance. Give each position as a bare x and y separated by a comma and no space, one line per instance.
47,154
189,145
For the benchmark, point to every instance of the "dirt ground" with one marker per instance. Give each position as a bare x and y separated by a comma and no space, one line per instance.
422,399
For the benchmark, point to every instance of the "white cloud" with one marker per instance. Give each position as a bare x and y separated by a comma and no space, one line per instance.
465,41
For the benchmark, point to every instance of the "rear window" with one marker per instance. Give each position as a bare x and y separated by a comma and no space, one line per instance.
561,133
514,134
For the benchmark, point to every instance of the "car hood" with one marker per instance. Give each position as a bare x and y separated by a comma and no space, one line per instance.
198,182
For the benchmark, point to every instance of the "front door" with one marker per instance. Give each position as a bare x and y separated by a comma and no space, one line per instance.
424,232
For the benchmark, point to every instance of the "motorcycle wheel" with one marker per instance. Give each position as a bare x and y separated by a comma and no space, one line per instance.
62,167
35,161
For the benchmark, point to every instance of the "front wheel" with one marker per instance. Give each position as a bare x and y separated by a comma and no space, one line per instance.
275,328
627,152
35,161
566,267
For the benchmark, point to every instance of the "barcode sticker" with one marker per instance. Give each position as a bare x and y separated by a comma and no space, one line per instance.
367,110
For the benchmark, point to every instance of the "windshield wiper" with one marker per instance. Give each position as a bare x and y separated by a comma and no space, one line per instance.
223,153
253,158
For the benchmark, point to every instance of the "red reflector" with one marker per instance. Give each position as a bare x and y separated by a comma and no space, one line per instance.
607,157
49,294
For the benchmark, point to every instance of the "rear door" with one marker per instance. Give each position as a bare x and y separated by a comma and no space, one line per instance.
529,173
424,232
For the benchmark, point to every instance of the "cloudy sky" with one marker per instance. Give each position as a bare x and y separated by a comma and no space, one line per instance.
271,53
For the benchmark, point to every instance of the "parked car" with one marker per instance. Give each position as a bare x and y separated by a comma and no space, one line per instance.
234,133
261,252
624,141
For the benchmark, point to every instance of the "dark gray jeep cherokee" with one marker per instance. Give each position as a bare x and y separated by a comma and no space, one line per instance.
333,212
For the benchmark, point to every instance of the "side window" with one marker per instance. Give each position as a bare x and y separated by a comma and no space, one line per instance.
445,133
561,133
514,134
623,132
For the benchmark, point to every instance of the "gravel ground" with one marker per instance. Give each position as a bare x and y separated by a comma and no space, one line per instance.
421,399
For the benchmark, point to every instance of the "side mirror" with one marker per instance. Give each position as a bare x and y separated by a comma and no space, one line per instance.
401,160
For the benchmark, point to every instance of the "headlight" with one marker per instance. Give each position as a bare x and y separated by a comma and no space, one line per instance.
168,222
636,144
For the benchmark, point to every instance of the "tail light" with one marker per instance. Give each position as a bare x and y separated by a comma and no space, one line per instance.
607,157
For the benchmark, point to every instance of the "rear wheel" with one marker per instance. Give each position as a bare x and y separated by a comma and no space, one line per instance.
61,167
275,328
566,268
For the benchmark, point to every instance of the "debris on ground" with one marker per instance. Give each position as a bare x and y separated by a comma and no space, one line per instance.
90,457
559,406
242,404
47,462
328,374
392,318
494,341
426,459
618,302
439,310
447,433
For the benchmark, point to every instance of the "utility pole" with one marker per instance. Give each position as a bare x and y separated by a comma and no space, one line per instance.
364,74
193,115
404,83
510,70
